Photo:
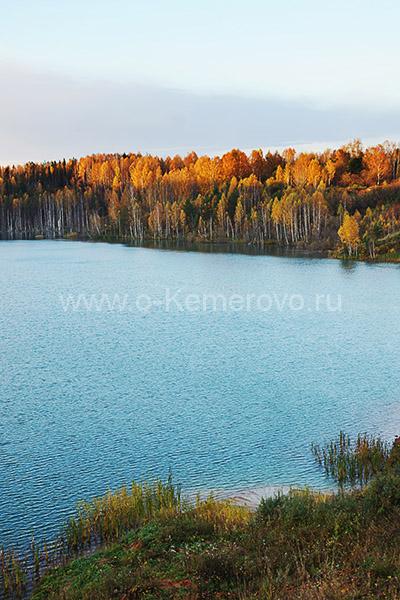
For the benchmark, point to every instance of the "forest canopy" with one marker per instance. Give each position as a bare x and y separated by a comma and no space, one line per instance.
346,198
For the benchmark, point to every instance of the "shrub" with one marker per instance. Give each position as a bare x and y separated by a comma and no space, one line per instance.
225,563
383,493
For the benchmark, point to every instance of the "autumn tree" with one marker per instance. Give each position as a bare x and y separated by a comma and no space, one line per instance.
349,234
377,163
330,170
239,217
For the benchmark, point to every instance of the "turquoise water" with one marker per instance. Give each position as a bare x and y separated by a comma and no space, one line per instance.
227,399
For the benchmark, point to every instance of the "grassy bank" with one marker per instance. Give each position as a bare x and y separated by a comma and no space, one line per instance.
145,542
301,546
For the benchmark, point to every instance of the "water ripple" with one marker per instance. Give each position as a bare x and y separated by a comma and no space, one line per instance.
89,401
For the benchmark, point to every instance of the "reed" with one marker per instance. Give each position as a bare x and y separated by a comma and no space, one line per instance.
105,519
223,515
352,462
13,574
100,521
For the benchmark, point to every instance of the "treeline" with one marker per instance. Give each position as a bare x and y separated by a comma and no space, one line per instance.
288,198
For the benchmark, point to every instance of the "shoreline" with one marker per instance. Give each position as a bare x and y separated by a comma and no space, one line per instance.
251,497
219,247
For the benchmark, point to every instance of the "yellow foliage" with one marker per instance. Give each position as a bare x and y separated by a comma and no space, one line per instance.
224,515
349,233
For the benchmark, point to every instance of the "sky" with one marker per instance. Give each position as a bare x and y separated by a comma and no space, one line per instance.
159,76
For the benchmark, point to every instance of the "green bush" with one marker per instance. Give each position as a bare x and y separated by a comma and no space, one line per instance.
383,493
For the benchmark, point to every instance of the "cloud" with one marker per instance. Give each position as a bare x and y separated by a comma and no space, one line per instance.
46,116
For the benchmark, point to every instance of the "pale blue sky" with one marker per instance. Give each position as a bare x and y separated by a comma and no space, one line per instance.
341,57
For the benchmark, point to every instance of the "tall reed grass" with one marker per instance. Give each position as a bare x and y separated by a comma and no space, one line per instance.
352,462
223,515
13,575
107,518
102,520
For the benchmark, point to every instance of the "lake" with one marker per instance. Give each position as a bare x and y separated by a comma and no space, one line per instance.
222,367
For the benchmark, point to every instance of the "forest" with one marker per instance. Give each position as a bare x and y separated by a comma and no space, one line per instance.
345,200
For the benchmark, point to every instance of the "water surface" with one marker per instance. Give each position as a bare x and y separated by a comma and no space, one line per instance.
226,399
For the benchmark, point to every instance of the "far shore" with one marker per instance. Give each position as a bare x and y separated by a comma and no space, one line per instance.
224,246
